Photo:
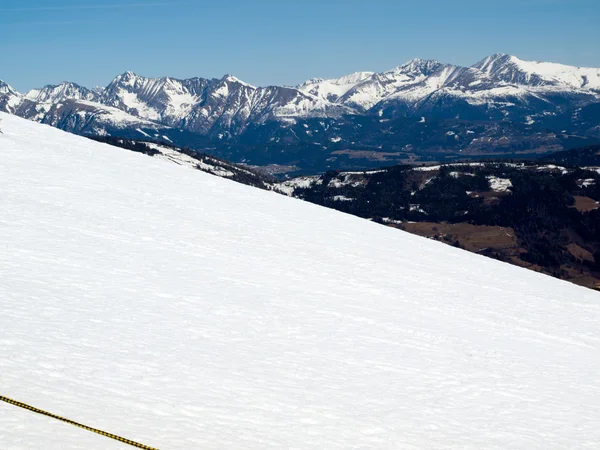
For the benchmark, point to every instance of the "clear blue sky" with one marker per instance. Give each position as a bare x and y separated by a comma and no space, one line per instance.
280,42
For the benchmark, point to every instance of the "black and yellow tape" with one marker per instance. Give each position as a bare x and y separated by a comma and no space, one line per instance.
85,427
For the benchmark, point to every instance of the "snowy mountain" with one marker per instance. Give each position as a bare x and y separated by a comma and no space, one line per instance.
5,89
511,69
9,98
510,104
334,89
368,89
61,92
219,106
183,310
498,76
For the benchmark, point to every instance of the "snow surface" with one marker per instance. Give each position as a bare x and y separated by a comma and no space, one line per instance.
112,115
597,169
347,179
133,103
182,159
461,174
186,311
498,184
575,77
427,168
342,198
288,187
438,167
586,182
563,170
334,88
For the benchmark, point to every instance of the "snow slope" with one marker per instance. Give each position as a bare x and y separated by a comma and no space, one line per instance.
186,311
514,70
333,89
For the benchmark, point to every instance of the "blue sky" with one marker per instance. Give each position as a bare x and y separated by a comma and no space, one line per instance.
280,42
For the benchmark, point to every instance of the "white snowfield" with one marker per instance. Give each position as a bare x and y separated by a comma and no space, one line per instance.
186,311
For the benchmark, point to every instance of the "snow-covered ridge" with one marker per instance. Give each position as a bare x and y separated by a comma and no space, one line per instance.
182,159
497,76
227,106
184,311
61,92
289,187
6,88
333,89
514,70
9,98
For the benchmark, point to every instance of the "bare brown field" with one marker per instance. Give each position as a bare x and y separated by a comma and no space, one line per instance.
367,154
585,204
474,238
503,244
580,253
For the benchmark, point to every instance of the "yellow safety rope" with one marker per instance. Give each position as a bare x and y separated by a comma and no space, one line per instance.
85,427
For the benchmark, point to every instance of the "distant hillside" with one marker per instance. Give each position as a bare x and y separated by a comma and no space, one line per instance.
587,156
541,216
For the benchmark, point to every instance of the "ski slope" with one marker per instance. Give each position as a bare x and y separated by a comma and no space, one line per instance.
185,311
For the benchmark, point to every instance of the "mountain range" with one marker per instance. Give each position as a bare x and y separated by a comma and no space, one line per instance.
422,110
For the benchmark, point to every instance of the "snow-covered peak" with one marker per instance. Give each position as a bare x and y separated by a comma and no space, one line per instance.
486,64
231,79
512,69
227,106
9,98
353,78
498,64
418,67
63,91
311,81
362,90
6,88
334,88
126,78
128,75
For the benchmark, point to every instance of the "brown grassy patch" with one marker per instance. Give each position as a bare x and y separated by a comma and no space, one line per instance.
580,253
585,204
474,238
367,154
